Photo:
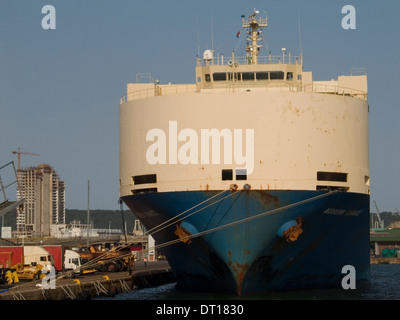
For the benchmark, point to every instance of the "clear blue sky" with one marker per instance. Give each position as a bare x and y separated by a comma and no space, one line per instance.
60,89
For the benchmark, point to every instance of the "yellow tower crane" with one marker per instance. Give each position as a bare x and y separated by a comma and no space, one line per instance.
19,152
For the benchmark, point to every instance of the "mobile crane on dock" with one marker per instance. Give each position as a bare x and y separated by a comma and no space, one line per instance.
378,216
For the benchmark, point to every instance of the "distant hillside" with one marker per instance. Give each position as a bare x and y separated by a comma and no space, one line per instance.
101,219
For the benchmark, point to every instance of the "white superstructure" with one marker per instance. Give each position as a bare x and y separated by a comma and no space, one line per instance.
260,121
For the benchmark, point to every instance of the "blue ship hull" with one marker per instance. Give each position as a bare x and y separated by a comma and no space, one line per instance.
251,256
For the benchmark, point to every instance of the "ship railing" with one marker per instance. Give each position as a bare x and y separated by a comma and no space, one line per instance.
158,90
139,94
220,60
260,21
165,90
175,89
231,86
334,89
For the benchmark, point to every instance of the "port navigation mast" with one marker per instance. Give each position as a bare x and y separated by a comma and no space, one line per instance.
254,25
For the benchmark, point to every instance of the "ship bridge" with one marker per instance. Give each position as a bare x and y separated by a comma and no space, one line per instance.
270,71
253,73
280,73
251,70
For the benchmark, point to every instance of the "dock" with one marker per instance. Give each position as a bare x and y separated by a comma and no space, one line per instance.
85,287
385,245
385,260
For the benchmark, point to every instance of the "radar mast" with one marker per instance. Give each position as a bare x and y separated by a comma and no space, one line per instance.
254,25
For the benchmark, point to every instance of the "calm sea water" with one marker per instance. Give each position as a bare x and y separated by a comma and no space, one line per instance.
384,284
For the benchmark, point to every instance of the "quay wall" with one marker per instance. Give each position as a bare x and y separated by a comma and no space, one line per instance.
382,260
86,288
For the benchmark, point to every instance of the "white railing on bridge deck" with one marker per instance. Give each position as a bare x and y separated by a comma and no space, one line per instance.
220,60
284,87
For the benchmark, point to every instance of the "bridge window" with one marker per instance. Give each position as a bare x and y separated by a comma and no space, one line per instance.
289,76
232,76
246,76
219,76
262,75
276,75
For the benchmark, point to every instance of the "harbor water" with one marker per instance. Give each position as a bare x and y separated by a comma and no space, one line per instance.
384,284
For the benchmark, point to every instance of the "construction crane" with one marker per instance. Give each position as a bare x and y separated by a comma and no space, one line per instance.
19,152
378,215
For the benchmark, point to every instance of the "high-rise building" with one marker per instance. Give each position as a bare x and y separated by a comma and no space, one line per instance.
44,194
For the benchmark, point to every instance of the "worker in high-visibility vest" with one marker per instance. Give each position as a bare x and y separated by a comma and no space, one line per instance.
15,276
9,278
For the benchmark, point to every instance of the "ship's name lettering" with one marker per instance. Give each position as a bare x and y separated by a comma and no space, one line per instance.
185,147
339,212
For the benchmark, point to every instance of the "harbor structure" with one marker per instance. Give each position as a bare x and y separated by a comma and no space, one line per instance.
44,194
385,244
255,177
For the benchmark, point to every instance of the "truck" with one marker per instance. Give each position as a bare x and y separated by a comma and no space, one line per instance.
106,259
27,261
65,259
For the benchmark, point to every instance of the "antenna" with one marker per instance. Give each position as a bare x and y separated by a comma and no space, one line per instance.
88,211
212,34
198,36
298,21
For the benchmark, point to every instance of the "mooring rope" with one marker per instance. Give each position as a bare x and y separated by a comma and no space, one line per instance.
175,219
154,229
257,216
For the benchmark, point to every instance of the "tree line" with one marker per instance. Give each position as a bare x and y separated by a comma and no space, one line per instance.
100,219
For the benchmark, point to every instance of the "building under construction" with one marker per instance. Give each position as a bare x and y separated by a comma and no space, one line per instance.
44,194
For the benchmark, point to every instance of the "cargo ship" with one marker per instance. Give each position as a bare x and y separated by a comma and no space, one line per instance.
254,178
